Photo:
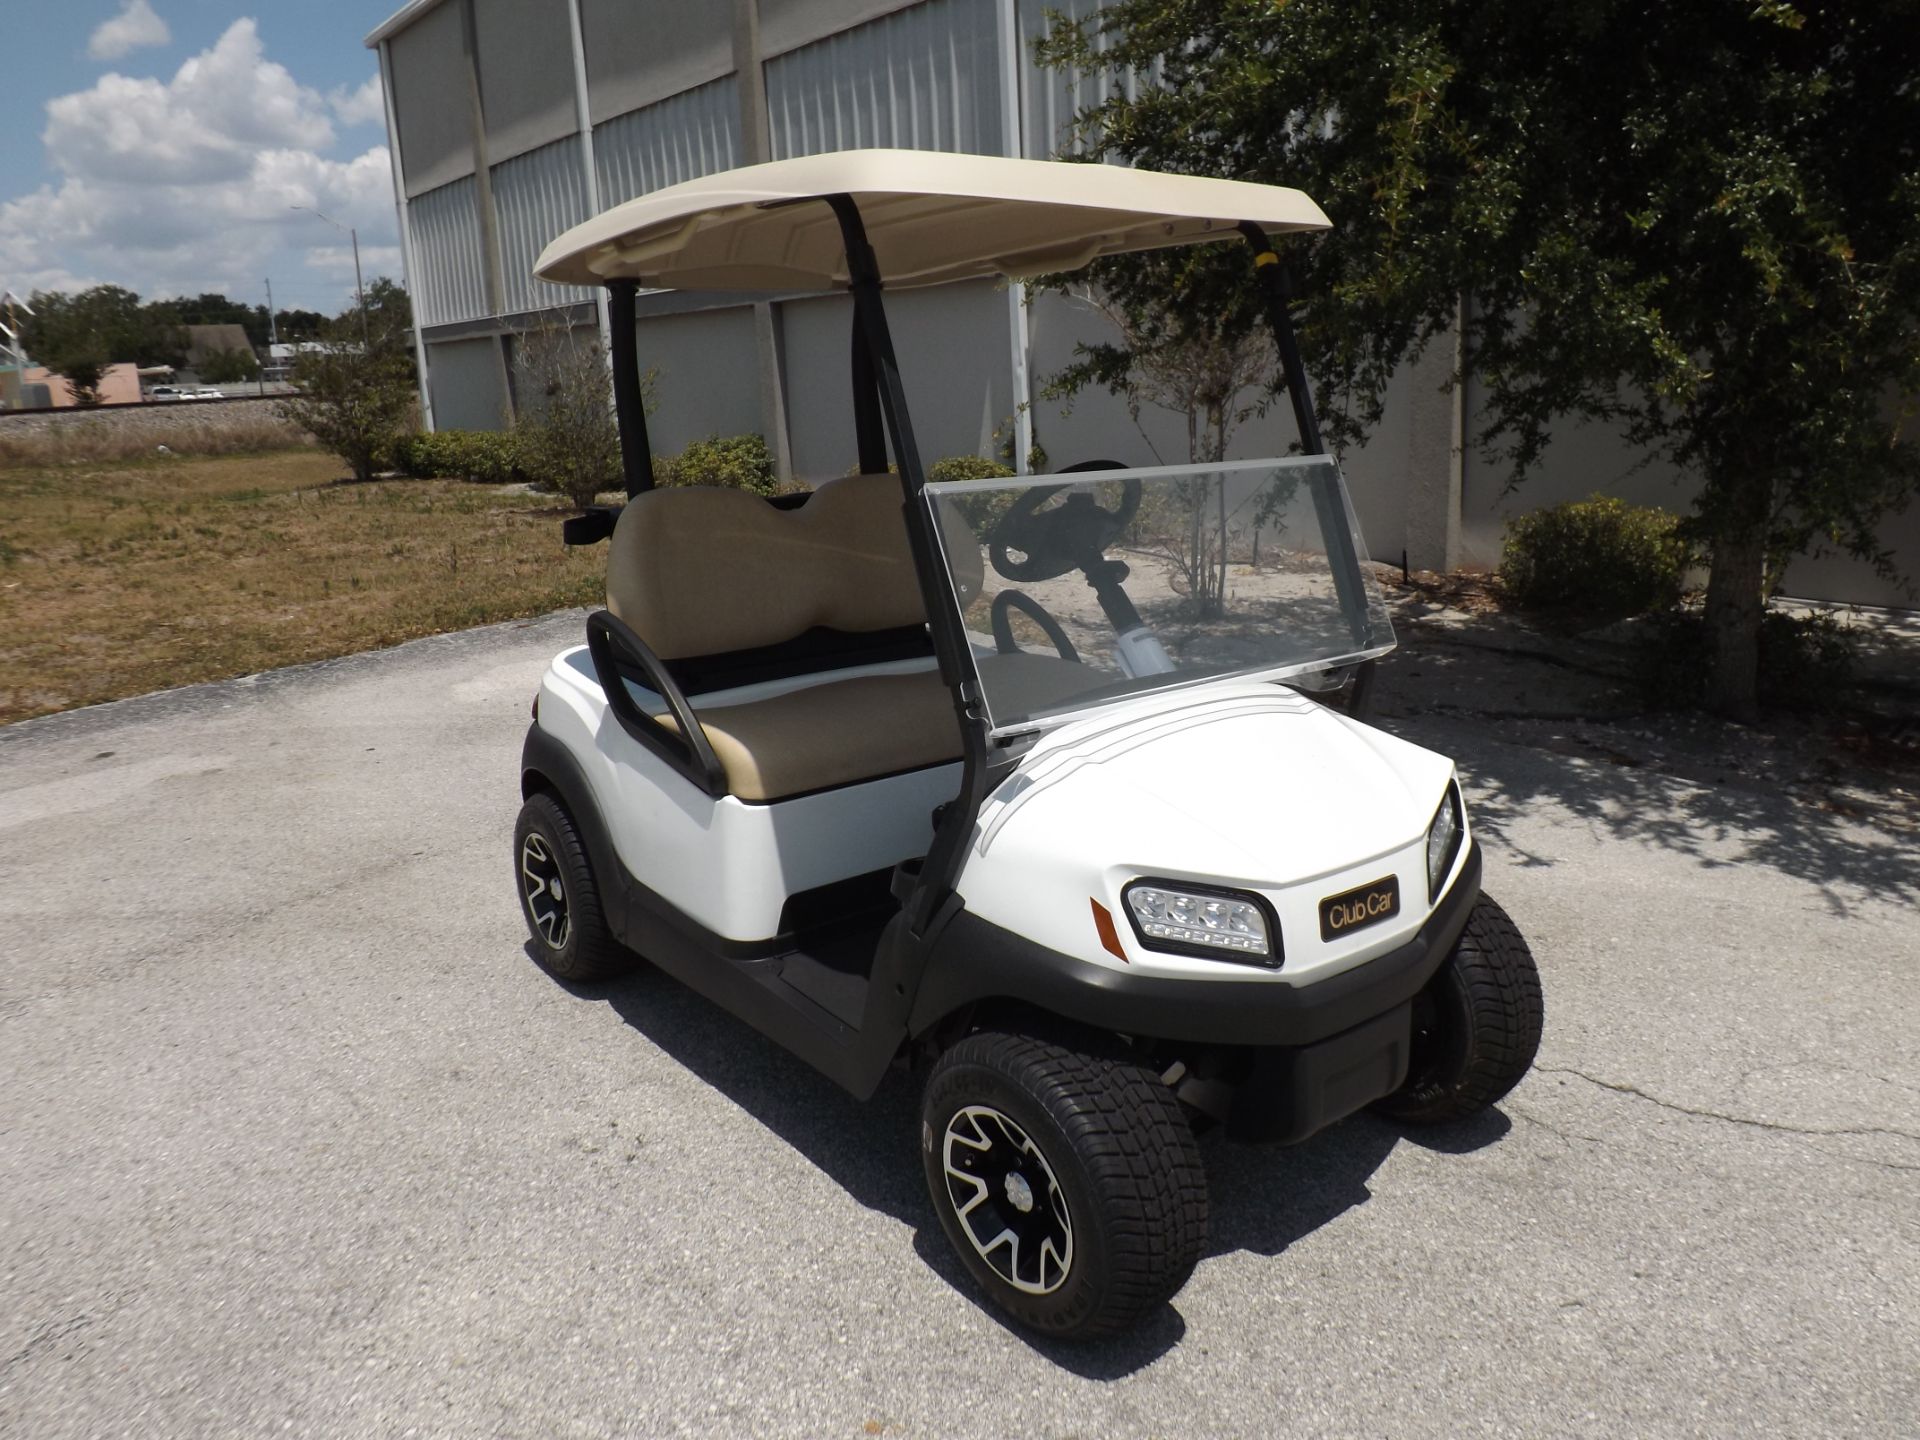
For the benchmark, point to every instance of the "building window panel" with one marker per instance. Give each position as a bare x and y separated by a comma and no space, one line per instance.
535,197
924,78
691,134
445,223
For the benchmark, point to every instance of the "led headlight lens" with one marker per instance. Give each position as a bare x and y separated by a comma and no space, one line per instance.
1443,842
1202,921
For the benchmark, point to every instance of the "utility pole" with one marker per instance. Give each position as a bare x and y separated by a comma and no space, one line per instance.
273,338
359,290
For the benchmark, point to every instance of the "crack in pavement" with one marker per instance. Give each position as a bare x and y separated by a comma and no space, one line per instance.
1621,1088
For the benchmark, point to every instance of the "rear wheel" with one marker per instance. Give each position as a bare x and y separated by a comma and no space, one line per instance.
1069,1183
1476,1025
558,896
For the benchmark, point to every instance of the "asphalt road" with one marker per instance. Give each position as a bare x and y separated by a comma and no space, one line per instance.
295,1138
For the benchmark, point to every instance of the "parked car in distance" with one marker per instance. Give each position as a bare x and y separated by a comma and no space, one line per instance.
166,392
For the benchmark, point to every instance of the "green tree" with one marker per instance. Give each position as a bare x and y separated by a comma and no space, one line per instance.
295,325
357,395
87,330
1697,222
566,433
354,402
389,317
1197,364
83,372
229,367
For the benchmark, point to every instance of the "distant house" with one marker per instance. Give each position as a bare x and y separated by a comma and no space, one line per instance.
281,357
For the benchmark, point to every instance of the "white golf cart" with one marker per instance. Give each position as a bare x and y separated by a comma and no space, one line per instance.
996,779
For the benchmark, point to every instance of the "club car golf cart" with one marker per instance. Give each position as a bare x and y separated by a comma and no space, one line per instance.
1026,784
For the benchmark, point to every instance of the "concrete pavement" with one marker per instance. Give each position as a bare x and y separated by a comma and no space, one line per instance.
296,1139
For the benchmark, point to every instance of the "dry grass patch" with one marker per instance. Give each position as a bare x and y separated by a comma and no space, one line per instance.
104,440
117,580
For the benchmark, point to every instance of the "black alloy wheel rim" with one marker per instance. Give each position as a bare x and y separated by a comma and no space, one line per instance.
1007,1199
545,891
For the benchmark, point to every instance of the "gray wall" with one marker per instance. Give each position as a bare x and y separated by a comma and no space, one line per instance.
788,24
526,73
469,384
707,385
1587,459
952,343
641,51
430,88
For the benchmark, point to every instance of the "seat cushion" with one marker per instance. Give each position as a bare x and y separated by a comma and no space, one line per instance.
699,571
835,733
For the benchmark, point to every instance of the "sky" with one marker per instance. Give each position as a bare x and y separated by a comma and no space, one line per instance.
160,145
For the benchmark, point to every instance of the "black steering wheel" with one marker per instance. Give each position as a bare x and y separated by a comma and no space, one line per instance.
1068,537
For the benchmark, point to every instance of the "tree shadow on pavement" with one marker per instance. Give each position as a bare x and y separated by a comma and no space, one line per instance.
1535,720
1264,1199
1734,822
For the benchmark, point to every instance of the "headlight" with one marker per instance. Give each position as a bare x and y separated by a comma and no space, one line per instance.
1443,842
1189,920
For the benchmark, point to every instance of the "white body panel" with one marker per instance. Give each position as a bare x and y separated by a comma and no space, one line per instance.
1240,784
728,864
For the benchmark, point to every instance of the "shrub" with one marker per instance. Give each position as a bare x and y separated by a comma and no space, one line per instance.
1601,557
735,462
567,438
355,402
1806,661
489,457
982,511
230,367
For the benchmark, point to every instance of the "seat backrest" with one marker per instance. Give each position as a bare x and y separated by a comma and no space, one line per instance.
699,570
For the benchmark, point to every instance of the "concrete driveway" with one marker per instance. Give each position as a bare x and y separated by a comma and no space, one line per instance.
295,1138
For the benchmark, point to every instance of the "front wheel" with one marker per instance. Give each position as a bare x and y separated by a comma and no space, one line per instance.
1069,1183
1476,1025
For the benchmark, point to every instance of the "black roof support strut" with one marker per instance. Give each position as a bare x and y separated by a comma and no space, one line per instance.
1276,293
882,373
629,406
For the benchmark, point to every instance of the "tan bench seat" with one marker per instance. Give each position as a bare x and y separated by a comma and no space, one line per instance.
832,733
700,572
839,732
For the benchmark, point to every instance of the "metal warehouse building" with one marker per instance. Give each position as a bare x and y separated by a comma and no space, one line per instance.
511,120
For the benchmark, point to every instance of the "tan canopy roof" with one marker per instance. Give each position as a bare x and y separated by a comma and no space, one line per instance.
931,217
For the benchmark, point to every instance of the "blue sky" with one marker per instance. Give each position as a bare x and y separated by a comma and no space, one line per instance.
159,145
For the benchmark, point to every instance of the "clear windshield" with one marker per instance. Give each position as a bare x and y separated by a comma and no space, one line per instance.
1080,590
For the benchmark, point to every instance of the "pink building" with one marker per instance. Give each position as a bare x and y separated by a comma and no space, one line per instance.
119,385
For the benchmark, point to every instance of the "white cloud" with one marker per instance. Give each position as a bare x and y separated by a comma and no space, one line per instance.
361,106
136,25
188,184
221,107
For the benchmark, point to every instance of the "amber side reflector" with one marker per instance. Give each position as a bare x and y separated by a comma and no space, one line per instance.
1109,937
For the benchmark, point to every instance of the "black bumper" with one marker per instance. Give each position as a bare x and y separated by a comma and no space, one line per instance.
974,960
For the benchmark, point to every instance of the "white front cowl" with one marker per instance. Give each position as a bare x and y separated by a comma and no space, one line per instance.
1240,784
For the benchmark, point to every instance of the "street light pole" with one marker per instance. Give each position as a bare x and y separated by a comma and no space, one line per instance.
359,289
